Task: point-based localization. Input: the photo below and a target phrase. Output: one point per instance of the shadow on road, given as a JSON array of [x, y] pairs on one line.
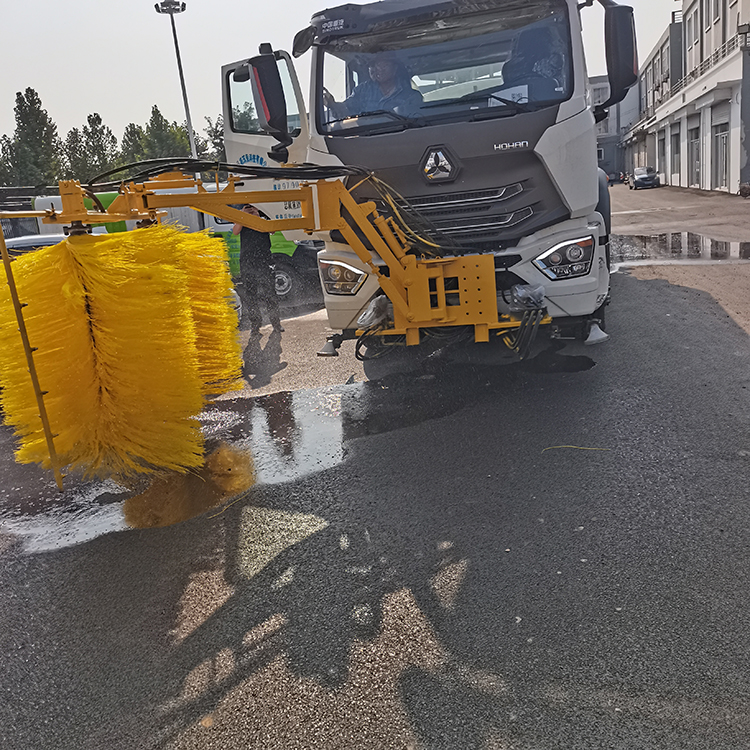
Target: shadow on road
[[261, 363], [465, 577]]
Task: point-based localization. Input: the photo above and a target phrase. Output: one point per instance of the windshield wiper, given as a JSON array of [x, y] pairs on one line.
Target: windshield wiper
[[408, 121], [476, 95]]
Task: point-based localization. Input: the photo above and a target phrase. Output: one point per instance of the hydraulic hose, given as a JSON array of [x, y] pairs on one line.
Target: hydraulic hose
[[424, 236]]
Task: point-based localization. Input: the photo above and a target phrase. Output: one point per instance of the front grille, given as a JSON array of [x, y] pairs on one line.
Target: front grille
[[488, 227], [491, 187], [472, 215], [428, 203]]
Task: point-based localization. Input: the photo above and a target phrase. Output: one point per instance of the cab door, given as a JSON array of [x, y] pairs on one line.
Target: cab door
[[244, 137]]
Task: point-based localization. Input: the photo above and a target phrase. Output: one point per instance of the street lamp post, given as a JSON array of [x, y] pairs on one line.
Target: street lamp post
[[171, 7]]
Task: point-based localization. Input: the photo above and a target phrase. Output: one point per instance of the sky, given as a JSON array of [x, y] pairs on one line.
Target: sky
[[117, 57]]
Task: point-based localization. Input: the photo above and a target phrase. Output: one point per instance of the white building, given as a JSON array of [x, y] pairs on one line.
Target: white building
[[609, 151], [690, 128]]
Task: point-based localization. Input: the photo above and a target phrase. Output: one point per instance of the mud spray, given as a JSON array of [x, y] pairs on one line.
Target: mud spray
[[172, 498]]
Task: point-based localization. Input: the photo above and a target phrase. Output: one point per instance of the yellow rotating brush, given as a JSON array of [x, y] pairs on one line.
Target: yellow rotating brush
[[132, 331]]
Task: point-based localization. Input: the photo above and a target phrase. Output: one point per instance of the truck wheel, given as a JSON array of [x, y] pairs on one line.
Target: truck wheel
[[288, 283]]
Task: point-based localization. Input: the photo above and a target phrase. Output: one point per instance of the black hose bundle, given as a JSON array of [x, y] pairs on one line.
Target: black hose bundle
[[143, 170], [523, 338], [423, 236], [372, 346]]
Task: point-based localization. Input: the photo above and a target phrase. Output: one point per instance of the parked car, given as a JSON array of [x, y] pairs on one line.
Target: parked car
[[19, 245], [643, 177]]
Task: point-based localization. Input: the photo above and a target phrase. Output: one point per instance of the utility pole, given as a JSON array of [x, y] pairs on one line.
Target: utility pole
[[172, 7]]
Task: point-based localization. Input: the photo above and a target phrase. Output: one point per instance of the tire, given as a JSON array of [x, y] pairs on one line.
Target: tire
[[288, 283]]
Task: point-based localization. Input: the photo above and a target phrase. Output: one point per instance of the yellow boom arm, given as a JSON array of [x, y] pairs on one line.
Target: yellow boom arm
[[415, 285]]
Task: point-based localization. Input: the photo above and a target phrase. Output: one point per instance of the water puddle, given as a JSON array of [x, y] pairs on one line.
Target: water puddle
[[674, 247], [53, 519], [291, 435], [267, 440], [272, 439]]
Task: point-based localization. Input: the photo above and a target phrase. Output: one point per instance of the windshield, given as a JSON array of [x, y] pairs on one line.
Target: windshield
[[474, 66]]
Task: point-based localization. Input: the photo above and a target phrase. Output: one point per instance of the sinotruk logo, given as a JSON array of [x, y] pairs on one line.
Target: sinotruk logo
[[438, 165]]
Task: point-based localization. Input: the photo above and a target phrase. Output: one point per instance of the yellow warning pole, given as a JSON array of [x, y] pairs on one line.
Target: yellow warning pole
[[29, 350]]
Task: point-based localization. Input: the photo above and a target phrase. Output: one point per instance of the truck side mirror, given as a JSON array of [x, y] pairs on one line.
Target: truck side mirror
[[242, 74], [622, 55], [270, 103], [303, 41]]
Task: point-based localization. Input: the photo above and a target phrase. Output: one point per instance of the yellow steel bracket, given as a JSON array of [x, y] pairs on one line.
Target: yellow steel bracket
[[29, 351], [425, 292]]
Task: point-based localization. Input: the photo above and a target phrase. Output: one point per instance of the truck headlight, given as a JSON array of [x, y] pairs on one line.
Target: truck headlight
[[340, 278], [568, 259]]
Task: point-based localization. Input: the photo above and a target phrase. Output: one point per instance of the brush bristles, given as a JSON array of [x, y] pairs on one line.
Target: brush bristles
[[219, 352], [132, 331]]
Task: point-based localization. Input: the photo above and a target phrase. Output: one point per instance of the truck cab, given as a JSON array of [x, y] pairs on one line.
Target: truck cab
[[479, 119]]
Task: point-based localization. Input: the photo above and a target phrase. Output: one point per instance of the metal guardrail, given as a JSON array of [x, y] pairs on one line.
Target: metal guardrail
[[711, 61]]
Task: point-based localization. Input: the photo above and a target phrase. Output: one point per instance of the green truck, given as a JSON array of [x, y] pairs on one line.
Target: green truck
[[297, 277]]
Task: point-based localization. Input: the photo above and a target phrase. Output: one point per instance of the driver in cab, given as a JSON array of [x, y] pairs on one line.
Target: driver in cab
[[535, 65], [389, 88]]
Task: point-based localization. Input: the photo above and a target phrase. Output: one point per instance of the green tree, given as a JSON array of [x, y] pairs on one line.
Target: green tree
[[133, 147], [163, 139], [35, 152], [100, 144], [215, 137], [7, 162], [75, 160], [244, 119], [201, 145]]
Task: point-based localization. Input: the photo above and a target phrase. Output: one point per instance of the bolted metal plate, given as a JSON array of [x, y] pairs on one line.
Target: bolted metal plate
[[459, 291]]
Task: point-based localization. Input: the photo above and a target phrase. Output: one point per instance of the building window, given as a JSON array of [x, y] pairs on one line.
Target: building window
[[707, 13], [661, 165], [676, 154], [720, 157], [694, 157], [600, 154]]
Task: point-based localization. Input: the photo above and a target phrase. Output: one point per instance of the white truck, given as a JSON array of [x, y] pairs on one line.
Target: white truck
[[477, 114]]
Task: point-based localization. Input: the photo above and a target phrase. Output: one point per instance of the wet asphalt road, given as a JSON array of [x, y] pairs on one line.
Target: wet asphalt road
[[433, 571]]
